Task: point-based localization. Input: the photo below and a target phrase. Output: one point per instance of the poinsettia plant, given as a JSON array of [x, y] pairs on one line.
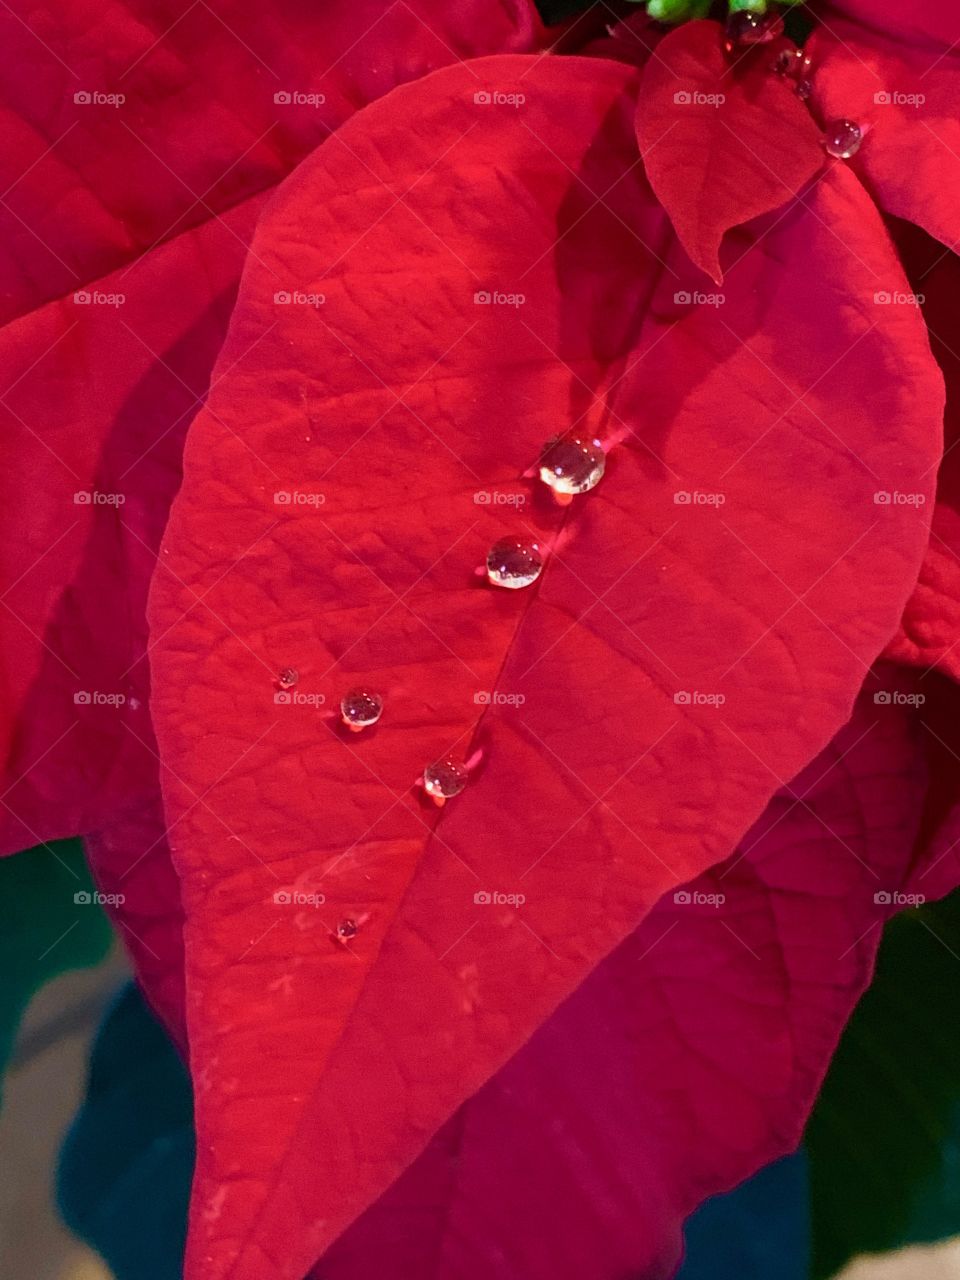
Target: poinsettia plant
[[295, 302]]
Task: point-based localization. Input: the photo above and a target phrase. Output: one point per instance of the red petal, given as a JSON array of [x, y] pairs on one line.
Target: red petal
[[162, 191], [723, 139], [908, 102], [90, 184], [98, 404], [688, 1058], [397, 400], [929, 635]]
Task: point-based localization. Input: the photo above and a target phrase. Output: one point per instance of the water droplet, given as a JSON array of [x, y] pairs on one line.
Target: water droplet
[[360, 708], [287, 678], [842, 139], [513, 563], [346, 930], [444, 779], [745, 27], [572, 464], [786, 63], [796, 66]]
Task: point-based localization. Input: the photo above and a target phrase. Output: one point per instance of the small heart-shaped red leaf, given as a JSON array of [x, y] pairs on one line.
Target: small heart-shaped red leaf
[[723, 138]]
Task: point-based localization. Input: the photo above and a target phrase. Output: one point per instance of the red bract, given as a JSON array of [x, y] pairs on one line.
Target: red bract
[[928, 635], [103, 372], [722, 139], [906, 95], [133, 124], [461, 271], [689, 1056], [907, 101], [920, 24]]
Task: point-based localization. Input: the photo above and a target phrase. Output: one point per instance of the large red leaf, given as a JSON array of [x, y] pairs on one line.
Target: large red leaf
[[689, 1057], [723, 139], [387, 407], [102, 375]]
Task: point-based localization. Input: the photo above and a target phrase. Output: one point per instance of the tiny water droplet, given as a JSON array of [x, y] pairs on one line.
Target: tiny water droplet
[[444, 779], [513, 563], [361, 708], [346, 930], [745, 27], [786, 62], [572, 464], [287, 678], [842, 139]]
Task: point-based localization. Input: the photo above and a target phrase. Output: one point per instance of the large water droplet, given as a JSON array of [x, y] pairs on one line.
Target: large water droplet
[[361, 708], [287, 678], [572, 464], [444, 779], [745, 27], [513, 563], [842, 139]]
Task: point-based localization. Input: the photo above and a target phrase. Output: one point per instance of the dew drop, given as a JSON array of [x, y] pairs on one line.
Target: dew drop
[[842, 139], [360, 708], [444, 779], [746, 27], [346, 930], [796, 66], [513, 563], [287, 678], [572, 464]]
